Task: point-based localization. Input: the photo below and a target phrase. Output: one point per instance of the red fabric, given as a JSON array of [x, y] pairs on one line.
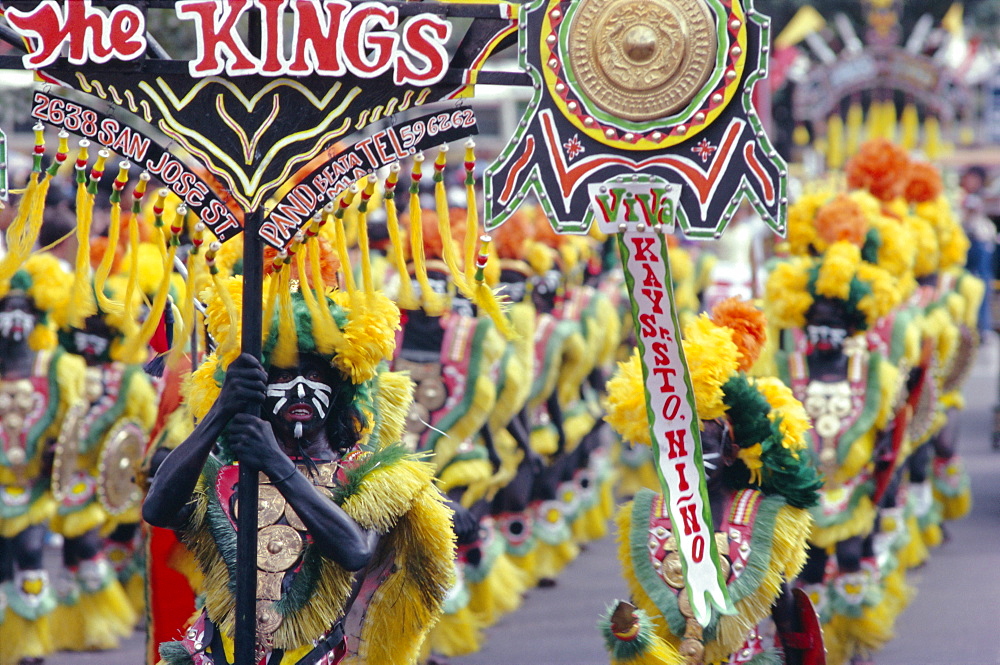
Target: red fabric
[[159, 342], [170, 599]]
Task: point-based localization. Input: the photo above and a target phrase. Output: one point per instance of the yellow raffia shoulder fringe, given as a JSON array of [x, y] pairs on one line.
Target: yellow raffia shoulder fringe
[[397, 500]]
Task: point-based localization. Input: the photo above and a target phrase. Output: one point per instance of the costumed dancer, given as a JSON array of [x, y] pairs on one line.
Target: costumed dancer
[[959, 294], [38, 383], [591, 475], [761, 484], [824, 305], [357, 544], [103, 436], [561, 367], [818, 220]]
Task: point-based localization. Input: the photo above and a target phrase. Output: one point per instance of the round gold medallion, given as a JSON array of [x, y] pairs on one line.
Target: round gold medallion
[[268, 619], [278, 547], [640, 60], [117, 488]]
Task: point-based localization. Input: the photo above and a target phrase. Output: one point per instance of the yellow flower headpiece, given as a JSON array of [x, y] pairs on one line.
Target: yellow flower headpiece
[[867, 291]]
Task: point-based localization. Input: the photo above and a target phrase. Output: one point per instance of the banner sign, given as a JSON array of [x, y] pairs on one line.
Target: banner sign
[[255, 118], [661, 88], [347, 166], [640, 212], [128, 142]]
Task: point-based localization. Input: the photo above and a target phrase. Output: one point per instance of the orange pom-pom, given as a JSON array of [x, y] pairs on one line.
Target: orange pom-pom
[[842, 219], [328, 262], [924, 183], [749, 326], [879, 167]]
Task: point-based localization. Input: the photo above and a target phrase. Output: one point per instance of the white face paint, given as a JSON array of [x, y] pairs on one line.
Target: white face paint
[[818, 335], [94, 345], [16, 324], [298, 390], [709, 465]]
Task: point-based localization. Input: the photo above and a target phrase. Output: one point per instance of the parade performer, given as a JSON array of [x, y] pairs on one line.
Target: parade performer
[[761, 484], [356, 543], [38, 383], [824, 306], [103, 436], [451, 353]]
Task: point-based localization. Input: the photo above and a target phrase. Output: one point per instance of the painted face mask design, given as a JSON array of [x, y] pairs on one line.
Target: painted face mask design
[[91, 345], [15, 324], [308, 400], [825, 338]]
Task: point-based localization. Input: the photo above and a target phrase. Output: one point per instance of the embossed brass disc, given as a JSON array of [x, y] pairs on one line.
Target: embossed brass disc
[[270, 505], [119, 465], [642, 59], [278, 547], [268, 619], [67, 450]]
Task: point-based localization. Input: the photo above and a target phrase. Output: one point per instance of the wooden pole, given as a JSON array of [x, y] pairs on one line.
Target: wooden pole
[[246, 536]]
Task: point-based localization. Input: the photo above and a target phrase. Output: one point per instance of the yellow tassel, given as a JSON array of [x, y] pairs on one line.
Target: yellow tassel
[[328, 335], [16, 254], [132, 283], [81, 304], [341, 239], [406, 298], [471, 210], [484, 297], [228, 347], [108, 306], [433, 302], [444, 226], [286, 350], [363, 245], [309, 296]]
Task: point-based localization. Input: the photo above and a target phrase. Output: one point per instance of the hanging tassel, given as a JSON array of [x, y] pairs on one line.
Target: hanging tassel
[[36, 212], [433, 302], [229, 348], [114, 231], [363, 245], [910, 127], [309, 297], [81, 304], [272, 292], [168, 253], [405, 298], [471, 210], [327, 334], [341, 238], [286, 350], [484, 297], [129, 325], [450, 256]]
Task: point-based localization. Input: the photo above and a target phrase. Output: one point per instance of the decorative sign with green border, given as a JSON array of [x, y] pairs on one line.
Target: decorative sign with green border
[[640, 212], [655, 87]]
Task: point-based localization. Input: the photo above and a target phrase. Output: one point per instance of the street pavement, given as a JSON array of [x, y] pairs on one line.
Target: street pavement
[[953, 619]]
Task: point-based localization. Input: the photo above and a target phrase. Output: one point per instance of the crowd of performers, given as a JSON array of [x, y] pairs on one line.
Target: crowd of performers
[[434, 439]]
